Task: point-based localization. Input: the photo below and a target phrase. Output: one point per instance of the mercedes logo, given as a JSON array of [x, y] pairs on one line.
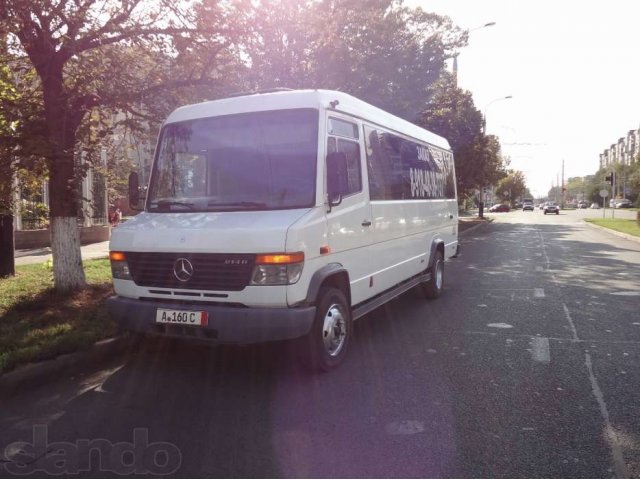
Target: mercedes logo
[[183, 270]]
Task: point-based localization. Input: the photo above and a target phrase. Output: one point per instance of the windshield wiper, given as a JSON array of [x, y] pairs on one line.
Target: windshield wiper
[[166, 204], [238, 204]]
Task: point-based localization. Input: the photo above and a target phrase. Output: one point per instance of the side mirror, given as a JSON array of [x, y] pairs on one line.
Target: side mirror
[[134, 191], [336, 177]]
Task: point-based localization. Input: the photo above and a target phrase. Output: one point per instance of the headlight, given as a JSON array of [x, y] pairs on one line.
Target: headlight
[[277, 269], [119, 267]]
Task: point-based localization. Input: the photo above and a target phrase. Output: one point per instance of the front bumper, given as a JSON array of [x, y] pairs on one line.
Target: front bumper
[[225, 324]]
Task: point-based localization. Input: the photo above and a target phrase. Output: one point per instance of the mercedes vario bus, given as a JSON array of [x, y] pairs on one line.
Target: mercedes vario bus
[[282, 216]]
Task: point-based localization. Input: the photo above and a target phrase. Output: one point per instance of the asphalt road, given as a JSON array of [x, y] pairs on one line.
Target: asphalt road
[[526, 367]]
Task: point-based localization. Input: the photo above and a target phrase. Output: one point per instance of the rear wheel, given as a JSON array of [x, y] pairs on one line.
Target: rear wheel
[[325, 346], [433, 288]]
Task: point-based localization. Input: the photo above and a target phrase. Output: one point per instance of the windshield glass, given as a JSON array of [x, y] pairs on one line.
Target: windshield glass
[[252, 161]]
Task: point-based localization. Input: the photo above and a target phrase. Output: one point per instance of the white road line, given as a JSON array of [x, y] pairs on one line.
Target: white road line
[[540, 350], [570, 320], [612, 437], [626, 294], [538, 292]]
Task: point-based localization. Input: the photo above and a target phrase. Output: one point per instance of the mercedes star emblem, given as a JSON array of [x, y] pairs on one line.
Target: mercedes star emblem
[[183, 270]]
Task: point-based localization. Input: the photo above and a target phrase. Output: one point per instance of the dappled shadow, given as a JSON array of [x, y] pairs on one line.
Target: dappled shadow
[[254, 411]]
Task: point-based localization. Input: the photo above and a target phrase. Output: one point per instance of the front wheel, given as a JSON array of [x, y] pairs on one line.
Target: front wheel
[[325, 346], [433, 288]]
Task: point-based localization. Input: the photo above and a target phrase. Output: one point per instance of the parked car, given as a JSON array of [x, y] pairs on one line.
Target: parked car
[[551, 207], [500, 207], [527, 206], [583, 204], [624, 203], [595, 206]]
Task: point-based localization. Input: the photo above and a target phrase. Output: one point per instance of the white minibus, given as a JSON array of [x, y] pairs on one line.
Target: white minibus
[[283, 216]]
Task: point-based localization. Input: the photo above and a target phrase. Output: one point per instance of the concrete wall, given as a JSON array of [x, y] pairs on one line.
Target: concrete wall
[[27, 239]]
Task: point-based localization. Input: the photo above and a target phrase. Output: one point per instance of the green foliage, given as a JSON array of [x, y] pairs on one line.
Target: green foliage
[[451, 113], [511, 187]]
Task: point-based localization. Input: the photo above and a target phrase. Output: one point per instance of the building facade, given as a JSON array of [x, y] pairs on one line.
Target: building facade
[[625, 151]]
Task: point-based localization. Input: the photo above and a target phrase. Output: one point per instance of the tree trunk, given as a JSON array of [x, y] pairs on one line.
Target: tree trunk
[[7, 245], [68, 274]]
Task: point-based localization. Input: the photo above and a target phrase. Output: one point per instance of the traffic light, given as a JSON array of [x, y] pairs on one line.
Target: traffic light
[[610, 179]]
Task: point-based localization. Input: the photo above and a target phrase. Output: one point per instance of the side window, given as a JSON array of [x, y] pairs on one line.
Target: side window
[[340, 128], [403, 169]]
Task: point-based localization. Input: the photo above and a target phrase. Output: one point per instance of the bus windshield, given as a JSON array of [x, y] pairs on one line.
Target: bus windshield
[[249, 161]]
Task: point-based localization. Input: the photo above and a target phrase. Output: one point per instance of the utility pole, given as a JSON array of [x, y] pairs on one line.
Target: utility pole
[[562, 187]]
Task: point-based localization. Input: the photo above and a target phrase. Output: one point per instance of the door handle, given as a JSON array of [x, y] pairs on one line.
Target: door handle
[[366, 223]]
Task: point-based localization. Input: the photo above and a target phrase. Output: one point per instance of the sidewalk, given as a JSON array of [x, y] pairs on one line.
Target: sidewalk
[[41, 255]]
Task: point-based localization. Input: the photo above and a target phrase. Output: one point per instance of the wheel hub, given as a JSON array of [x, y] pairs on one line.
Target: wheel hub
[[334, 330]]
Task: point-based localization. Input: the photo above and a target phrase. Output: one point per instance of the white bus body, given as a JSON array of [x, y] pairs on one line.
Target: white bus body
[[284, 215]]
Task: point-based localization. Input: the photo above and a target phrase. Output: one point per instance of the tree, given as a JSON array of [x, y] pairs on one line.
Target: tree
[[8, 115], [376, 50], [511, 187], [103, 53], [451, 113]]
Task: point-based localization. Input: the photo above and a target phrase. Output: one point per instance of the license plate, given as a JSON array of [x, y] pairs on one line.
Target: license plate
[[182, 317]]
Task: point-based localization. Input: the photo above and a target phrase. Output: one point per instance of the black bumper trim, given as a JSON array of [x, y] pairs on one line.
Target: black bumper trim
[[225, 324]]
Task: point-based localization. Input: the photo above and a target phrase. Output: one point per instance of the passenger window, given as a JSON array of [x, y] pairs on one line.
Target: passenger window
[[353, 182], [342, 128]]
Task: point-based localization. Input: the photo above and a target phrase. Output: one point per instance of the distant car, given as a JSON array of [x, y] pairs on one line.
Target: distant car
[[541, 206], [595, 206], [583, 204], [551, 208], [500, 207], [527, 206], [623, 203]]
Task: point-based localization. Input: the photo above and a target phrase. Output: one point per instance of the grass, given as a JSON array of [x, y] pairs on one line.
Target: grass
[[630, 227], [38, 324]]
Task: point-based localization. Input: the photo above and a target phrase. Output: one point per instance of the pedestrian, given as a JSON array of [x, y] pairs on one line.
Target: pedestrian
[[116, 218]]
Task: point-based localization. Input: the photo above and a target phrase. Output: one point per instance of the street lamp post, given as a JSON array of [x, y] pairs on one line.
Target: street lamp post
[[484, 111], [484, 131], [455, 55]]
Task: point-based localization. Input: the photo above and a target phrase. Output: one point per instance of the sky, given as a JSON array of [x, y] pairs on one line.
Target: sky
[[572, 68]]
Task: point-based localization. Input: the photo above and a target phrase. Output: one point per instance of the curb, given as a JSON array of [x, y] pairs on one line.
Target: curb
[[614, 232], [475, 227], [35, 373]]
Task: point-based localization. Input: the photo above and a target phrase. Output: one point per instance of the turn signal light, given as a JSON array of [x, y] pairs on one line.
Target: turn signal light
[[279, 258], [117, 256]]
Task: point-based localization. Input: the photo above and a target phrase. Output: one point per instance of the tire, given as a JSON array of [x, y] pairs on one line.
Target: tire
[[544, 213], [433, 288], [325, 346], [557, 213]]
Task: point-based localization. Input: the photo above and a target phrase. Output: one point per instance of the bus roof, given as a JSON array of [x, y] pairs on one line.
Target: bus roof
[[317, 99]]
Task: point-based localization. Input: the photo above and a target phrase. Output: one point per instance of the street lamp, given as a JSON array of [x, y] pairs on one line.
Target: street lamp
[[455, 56], [484, 114], [484, 129]]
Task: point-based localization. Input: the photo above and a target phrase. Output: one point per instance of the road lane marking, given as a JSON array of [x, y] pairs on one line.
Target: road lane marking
[[540, 350], [611, 435], [499, 325], [405, 427], [538, 292], [570, 320], [626, 294]]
